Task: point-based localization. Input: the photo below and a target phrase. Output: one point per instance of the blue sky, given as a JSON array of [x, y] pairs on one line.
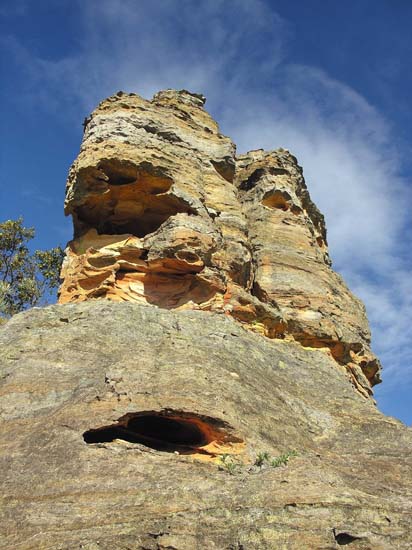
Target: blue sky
[[327, 79]]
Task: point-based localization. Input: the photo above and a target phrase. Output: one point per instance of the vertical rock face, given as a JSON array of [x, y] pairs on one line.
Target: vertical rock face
[[292, 268], [165, 213], [155, 210]]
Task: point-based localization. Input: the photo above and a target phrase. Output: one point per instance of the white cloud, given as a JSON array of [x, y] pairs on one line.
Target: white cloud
[[235, 52]]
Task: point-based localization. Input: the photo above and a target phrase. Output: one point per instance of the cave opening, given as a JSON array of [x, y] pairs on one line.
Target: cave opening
[[344, 538], [169, 431], [158, 432], [279, 200], [138, 214], [125, 198]]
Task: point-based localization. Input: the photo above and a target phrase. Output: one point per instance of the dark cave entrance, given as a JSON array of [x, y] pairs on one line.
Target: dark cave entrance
[[169, 431], [157, 432]]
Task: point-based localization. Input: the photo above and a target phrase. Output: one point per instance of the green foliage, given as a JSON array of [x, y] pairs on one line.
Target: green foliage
[[49, 264], [24, 277], [229, 464], [262, 458], [281, 460]]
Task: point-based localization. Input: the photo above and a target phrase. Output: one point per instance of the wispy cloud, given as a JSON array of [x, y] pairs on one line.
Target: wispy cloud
[[33, 191], [147, 46], [236, 53]]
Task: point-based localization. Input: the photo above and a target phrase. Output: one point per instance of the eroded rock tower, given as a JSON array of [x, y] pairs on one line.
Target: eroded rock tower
[[165, 213]]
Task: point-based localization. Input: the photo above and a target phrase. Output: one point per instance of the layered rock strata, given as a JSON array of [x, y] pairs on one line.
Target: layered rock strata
[[165, 213]]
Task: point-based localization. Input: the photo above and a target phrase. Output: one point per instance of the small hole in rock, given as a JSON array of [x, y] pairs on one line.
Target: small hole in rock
[[277, 200], [187, 256], [118, 172], [344, 538], [225, 168]]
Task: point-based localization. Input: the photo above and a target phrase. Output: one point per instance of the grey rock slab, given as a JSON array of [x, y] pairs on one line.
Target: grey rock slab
[[70, 368]]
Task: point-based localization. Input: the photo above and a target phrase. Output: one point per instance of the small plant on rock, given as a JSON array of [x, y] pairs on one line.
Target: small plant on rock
[[228, 463], [262, 458], [283, 459]]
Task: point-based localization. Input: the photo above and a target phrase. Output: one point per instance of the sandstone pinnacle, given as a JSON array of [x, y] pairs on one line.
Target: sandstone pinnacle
[[165, 213]]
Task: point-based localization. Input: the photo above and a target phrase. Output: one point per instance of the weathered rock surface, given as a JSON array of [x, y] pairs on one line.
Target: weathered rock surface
[[150, 179], [81, 470], [165, 213], [287, 235]]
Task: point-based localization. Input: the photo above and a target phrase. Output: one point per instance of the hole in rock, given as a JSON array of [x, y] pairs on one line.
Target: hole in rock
[[118, 172], [187, 256], [225, 168], [275, 200], [257, 174], [344, 538], [252, 180], [128, 211], [170, 431]]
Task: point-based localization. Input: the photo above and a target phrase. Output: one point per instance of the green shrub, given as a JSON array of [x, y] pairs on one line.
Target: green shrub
[[25, 277]]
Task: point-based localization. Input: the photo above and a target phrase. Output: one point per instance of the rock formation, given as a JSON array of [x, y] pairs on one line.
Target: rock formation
[[165, 213], [216, 398]]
